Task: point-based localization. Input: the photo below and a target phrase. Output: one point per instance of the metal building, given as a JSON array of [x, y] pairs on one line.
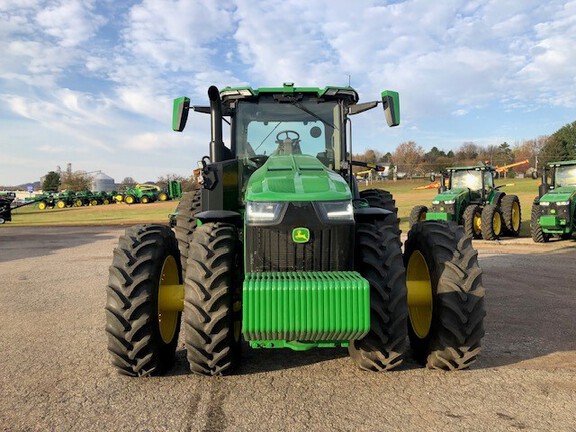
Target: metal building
[[102, 183]]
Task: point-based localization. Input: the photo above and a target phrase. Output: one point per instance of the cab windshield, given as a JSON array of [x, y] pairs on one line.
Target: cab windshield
[[566, 176], [268, 127], [471, 179]]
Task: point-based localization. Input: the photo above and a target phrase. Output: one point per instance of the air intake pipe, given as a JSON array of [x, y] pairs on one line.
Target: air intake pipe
[[216, 145]]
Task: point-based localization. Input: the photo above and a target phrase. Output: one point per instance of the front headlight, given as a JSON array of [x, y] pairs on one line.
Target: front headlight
[[545, 203], [449, 202], [563, 203], [435, 202], [264, 213], [335, 210]]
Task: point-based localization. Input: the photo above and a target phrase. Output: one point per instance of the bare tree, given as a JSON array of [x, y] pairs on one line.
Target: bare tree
[[409, 158], [76, 181]]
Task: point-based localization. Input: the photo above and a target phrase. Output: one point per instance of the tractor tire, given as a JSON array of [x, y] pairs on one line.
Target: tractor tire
[[119, 198], [418, 214], [190, 204], [129, 199], [78, 203], [212, 314], [445, 296], [60, 204], [94, 202], [472, 220], [143, 333], [378, 258], [491, 222], [42, 205], [538, 235], [512, 214], [144, 200], [163, 196], [106, 202], [383, 199]]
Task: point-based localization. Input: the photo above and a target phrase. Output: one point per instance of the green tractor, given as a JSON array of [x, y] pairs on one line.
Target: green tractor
[[65, 199], [554, 209], [173, 191], [468, 196], [141, 193], [280, 248]]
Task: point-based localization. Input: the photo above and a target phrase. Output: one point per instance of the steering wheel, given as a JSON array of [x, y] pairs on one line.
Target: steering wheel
[[287, 133], [290, 143]]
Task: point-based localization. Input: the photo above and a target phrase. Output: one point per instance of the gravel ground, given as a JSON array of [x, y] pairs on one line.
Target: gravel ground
[[55, 373]]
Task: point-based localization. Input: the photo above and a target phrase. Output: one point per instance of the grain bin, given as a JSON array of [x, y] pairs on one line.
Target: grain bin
[[102, 183]]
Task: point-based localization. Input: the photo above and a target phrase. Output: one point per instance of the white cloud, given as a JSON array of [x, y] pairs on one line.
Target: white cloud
[[99, 77]]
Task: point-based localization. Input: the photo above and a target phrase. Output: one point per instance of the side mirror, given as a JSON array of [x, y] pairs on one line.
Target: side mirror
[[180, 113], [391, 105]]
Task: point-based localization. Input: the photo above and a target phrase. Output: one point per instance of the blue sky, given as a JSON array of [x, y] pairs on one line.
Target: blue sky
[[92, 82]]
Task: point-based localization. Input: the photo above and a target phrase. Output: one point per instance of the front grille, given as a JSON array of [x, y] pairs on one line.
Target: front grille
[[555, 210], [271, 249]]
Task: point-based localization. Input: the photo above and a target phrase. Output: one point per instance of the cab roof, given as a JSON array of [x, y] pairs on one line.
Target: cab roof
[[480, 166], [330, 92], [561, 163]]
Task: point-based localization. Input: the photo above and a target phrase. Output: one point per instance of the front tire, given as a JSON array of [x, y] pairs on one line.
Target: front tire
[[538, 235], [189, 205], [472, 220], [212, 293], [142, 329], [418, 214], [512, 214], [491, 222], [445, 296], [379, 260], [379, 198]]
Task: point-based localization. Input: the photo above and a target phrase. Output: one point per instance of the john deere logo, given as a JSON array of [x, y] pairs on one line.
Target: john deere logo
[[300, 235]]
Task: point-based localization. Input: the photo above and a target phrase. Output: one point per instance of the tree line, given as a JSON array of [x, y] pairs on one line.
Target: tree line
[[411, 159]]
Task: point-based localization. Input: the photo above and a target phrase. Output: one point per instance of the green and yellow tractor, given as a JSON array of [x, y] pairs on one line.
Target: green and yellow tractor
[[554, 209], [280, 249], [468, 196]]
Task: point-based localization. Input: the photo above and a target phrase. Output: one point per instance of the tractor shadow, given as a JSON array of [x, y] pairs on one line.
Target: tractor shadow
[[30, 242]]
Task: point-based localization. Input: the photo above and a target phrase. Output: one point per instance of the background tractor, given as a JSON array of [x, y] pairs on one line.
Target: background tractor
[[554, 209], [141, 193], [280, 248], [467, 196]]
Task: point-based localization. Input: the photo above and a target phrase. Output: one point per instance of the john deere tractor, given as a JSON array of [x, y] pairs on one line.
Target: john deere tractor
[[279, 248], [554, 209], [467, 196]]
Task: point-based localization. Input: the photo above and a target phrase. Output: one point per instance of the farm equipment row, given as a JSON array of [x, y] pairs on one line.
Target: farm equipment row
[[71, 199], [147, 193]]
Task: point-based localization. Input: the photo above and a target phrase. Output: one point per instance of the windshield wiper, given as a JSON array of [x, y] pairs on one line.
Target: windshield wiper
[[312, 113]]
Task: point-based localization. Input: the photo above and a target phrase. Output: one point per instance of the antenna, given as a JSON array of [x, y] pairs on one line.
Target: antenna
[[349, 80]]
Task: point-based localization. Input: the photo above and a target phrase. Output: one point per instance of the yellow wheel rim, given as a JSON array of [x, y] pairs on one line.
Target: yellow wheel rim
[[129, 200], [496, 223], [477, 222], [162, 197], [61, 204], [419, 290], [170, 299], [515, 216], [119, 198], [42, 206], [145, 200]]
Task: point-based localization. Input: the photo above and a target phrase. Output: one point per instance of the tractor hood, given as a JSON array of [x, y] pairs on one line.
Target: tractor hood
[[451, 194], [296, 178], [560, 194]]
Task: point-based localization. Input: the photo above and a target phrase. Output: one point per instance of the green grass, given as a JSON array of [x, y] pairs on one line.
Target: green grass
[[115, 214], [403, 190]]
